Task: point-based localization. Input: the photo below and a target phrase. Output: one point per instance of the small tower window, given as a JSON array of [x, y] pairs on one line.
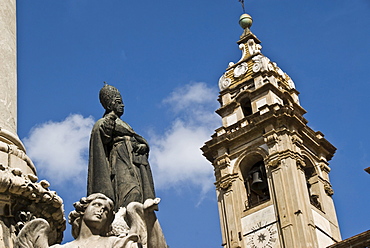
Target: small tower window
[[246, 107], [255, 181]]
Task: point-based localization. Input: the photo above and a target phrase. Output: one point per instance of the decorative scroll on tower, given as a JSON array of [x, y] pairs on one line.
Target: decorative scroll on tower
[[271, 168]]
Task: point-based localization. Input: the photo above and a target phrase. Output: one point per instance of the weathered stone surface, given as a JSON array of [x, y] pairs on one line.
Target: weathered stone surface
[[118, 159], [22, 198], [8, 70], [263, 127], [134, 226]]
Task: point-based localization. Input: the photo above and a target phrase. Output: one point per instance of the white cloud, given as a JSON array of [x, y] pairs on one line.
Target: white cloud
[[190, 96], [60, 149], [176, 157]]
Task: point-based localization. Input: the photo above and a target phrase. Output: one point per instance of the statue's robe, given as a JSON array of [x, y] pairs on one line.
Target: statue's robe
[[115, 169]]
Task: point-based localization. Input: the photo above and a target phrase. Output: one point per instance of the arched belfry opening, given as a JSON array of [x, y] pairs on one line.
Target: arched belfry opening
[[312, 183], [246, 107], [254, 175]]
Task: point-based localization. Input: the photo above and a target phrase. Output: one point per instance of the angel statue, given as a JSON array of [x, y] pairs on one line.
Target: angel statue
[[94, 224]]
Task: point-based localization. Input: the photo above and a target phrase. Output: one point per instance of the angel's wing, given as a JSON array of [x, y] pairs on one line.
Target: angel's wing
[[33, 235]]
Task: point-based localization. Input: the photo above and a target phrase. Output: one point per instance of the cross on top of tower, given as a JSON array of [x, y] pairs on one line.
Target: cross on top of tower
[[242, 3]]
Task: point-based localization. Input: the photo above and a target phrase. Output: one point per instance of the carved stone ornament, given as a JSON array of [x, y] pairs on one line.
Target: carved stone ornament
[[223, 161], [22, 218], [225, 184], [328, 189], [240, 70], [284, 76], [95, 225], [253, 48], [261, 63], [34, 198], [244, 52], [271, 139], [291, 84], [301, 164], [224, 82], [279, 70], [274, 163]]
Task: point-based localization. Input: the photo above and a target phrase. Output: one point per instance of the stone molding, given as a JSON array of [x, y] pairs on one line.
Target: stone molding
[[225, 182], [11, 144]]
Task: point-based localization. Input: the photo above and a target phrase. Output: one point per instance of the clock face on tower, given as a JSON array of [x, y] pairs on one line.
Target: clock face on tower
[[263, 237]]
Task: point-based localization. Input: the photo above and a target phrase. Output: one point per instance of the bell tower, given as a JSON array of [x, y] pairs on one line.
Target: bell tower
[[271, 168]]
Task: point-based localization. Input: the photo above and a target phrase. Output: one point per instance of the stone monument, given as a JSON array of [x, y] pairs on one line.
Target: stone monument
[[118, 160], [119, 179], [119, 167], [22, 197], [92, 226], [31, 215]]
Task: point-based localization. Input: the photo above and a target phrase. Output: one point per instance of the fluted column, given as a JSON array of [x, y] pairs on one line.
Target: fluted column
[[8, 66]]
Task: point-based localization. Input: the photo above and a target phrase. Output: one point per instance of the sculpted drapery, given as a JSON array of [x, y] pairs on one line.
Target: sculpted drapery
[[118, 159], [119, 171]]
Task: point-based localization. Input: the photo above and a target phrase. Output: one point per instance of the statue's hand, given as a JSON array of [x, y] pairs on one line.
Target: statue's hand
[[111, 115], [110, 121]]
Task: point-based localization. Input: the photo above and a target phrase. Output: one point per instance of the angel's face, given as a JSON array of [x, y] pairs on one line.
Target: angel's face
[[96, 213]]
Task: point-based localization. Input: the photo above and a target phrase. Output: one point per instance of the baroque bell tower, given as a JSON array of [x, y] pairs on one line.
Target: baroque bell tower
[[271, 168]]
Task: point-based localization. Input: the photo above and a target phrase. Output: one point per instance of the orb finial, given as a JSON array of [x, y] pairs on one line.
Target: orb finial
[[245, 21]]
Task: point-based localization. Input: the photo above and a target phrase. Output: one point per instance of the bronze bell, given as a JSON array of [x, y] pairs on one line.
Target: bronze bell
[[257, 182]]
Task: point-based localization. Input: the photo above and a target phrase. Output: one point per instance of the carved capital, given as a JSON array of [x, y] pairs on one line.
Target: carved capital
[[223, 161], [225, 182], [324, 167], [328, 189], [271, 139], [297, 140], [273, 163]]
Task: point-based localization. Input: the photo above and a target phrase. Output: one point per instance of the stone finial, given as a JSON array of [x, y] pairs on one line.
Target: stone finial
[[245, 21]]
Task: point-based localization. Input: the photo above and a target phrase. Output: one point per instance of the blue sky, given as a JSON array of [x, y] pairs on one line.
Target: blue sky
[[166, 58]]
